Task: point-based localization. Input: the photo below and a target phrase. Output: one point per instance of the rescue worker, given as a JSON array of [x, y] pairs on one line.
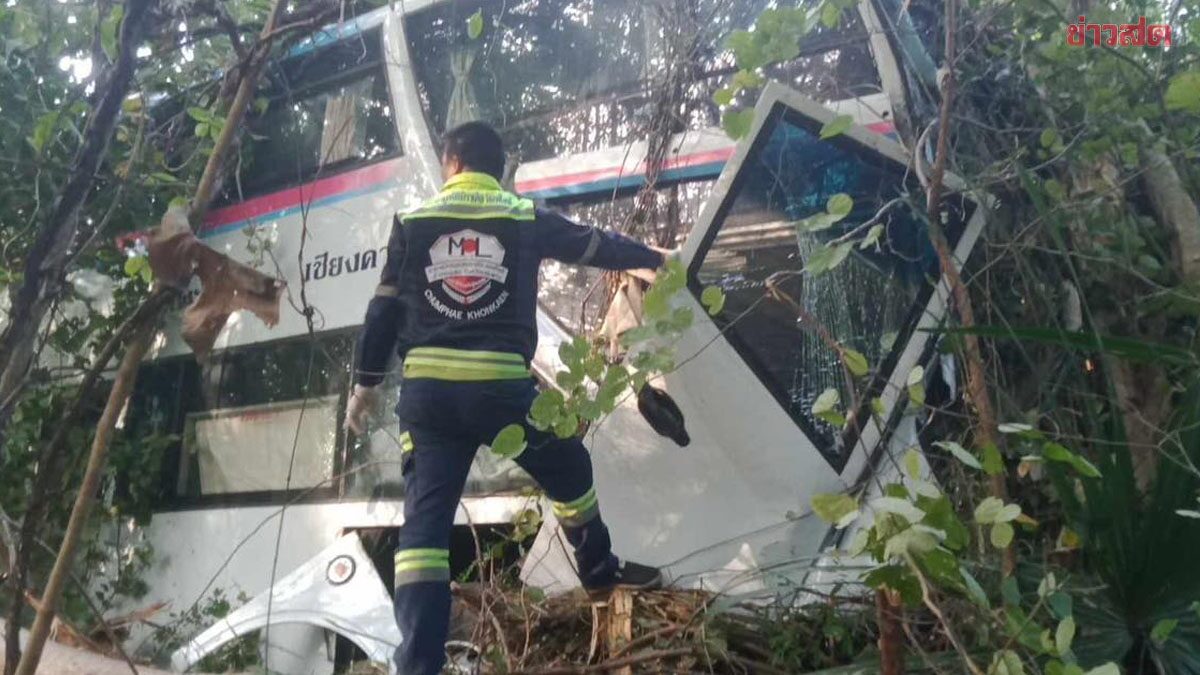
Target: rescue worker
[[457, 300]]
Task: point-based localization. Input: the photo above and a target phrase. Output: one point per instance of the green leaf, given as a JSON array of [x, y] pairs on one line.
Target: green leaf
[[637, 335], [830, 14], [546, 408], [1049, 138], [723, 96], [573, 352], [818, 222], [915, 376], [1006, 662], [110, 30], [975, 592], [960, 453], [993, 463], [747, 51], [840, 204], [1014, 428], [915, 385], [1064, 635], [199, 114], [737, 123], [912, 463], [873, 236], [1011, 592], [201, 130], [987, 511], [825, 407], [747, 79], [1009, 513], [1084, 467], [943, 567], [859, 543], [1060, 604], [475, 24], [566, 426], [713, 299], [1162, 630], [1048, 585], [839, 509], [900, 507], [855, 362], [133, 266], [940, 514], [827, 258], [1183, 92], [1106, 669], [43, 130], [510, 442], [897, 578], [836, 126], [1002, 535], [911, 541]]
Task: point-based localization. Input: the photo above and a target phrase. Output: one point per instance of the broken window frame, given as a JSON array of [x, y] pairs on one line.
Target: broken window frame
[[913, 345]]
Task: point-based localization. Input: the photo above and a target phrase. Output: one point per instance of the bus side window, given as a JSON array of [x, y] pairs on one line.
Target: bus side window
[[322, 112]]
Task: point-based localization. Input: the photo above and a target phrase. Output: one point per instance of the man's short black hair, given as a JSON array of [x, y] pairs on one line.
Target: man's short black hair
[[477, 146]]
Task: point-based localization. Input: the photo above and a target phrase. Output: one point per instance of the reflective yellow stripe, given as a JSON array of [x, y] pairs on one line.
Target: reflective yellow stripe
[[422, 565], [468, 354], [451, 374], [587, 501], [406, 442], [454, 212], [477, 180], [480, 366], [474, 197], [411, 553], [463, 365]]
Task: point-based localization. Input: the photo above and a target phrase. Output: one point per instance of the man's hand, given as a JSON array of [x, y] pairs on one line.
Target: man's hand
[[362, 403], [649, 276]]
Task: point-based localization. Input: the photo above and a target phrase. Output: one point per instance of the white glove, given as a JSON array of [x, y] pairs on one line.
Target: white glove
[[361, 405]]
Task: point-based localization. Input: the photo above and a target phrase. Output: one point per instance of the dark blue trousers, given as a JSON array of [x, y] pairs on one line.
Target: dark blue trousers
[[442, 424]]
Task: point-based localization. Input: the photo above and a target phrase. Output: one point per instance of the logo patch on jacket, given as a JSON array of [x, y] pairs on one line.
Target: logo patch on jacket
[[466, 263]]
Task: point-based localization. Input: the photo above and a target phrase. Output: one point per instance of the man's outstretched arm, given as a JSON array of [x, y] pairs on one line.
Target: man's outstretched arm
[[564, 240], [377, 341]]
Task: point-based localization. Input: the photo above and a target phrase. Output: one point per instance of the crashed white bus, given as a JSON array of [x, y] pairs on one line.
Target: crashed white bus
[[263, 485]]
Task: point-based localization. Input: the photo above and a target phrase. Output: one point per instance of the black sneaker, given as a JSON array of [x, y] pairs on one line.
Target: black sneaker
[[630, 576]]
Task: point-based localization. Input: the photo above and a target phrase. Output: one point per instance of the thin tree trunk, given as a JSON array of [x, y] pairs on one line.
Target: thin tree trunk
[[891, 634], [1173, 207], [985, 427], [47, 257]]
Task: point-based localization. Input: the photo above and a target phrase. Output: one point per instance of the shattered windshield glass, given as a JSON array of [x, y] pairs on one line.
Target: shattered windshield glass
[[869, 303]]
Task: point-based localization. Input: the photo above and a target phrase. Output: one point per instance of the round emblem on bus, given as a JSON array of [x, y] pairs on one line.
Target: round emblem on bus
[[340, 570]]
